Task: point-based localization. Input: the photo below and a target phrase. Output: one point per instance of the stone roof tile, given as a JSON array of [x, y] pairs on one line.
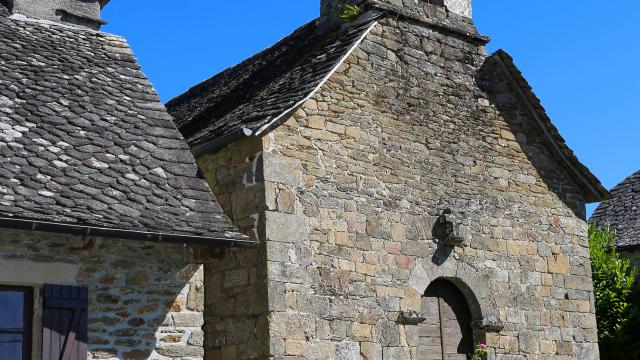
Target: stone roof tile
[[622, 212], [85, 140]]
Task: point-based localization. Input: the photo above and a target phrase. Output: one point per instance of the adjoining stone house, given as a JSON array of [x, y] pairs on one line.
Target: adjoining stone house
[[409, 193], [104, 223], [622, 213]]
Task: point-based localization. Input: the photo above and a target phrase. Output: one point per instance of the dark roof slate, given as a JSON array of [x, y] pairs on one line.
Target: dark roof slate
[[85, 140], [622, 212], [4, 11], [592, 187], [265, 86]]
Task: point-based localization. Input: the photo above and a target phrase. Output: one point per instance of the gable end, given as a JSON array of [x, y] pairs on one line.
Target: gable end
[[589, 183]]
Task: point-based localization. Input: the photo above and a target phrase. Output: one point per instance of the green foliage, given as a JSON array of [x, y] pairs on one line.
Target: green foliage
[[481, 352], [613, 283], [349, 12]]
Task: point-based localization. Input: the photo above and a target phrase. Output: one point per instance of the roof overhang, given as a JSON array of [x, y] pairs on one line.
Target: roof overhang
[[216, 239]]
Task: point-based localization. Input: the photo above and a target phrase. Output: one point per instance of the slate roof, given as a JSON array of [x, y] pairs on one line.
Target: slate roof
[[85, 140], [593, 189], [255, 92], [622, 212]]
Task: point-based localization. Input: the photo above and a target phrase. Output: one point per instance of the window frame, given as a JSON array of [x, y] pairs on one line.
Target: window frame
[[27, 306]]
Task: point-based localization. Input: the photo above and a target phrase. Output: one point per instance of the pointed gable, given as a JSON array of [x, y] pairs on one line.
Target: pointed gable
[[255, 94], [501, 63]]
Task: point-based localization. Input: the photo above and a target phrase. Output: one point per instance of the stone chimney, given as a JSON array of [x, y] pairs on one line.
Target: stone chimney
[[418, 9], [80, 13]]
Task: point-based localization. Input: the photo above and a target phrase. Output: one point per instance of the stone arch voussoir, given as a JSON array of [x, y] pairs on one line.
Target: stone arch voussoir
[[470, 282]]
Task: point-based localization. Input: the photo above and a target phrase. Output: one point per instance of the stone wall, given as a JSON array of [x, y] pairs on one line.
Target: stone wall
[[236, 299], [145, 300], [356, 180]]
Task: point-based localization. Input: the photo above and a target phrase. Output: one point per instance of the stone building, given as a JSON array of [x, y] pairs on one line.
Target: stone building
[[622, 213], [378, 188], [104, 223], [410, 196]]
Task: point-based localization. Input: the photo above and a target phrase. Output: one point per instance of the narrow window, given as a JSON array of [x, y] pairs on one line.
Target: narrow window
[[16, 305]]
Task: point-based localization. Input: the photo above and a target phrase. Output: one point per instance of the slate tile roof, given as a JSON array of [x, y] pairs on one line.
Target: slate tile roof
[[622, 212], [85, 140], [253, 93]]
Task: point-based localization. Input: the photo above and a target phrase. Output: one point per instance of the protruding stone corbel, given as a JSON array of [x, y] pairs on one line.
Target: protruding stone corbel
[[411, 318], [492, 324]]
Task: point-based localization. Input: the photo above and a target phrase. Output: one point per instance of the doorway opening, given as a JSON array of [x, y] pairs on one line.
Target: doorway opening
[[447, 333]]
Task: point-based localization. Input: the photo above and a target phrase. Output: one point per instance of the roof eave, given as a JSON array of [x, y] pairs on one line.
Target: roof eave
[[629, 247], [215, 239]]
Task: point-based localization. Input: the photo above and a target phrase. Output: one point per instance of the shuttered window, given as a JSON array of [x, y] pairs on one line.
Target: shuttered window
[[447, 332], [64, 322], [16, 305]]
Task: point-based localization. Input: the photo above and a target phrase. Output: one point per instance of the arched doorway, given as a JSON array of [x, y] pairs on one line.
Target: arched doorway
[[446, 334]]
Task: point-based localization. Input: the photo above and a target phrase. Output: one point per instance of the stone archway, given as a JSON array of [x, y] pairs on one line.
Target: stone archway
[[474, 287]]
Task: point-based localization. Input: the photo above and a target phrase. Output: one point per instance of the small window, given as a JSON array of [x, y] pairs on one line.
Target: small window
[[15, 322]]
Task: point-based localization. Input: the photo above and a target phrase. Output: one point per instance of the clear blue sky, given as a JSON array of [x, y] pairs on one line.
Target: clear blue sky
[[582, 57]]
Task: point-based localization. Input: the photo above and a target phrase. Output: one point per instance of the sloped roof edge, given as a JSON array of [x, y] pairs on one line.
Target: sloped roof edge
[[272, 123], [226, 139], [622, 212], [253, 96], [592, 187]]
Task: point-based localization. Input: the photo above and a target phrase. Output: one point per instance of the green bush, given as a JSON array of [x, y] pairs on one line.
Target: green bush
[[613, 284]]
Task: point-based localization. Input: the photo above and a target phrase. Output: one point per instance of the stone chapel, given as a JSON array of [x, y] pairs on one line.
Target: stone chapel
[[375, 186]]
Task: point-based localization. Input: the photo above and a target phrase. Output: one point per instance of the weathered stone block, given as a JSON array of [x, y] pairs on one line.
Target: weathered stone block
[[558, 264], [187, 319]]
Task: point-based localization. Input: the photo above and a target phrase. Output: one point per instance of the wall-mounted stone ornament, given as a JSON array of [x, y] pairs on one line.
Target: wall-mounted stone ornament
[[489, 324], [411, 318], [450, 230]]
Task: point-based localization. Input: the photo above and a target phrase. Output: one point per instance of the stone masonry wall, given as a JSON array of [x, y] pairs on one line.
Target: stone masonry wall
[[361, 173], [236, 296], [146, 300]]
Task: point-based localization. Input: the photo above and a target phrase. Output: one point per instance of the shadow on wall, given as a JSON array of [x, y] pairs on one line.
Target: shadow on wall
[[529, 135], [150, 300], [142, 297]]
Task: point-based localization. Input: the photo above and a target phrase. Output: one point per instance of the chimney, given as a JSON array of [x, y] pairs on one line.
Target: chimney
[[418, 9], [79, 13]]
